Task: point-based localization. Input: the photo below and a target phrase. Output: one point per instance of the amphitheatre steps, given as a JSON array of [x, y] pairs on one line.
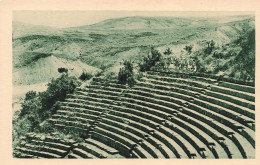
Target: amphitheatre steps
[[41, 146], [163, 116], [192, 100]]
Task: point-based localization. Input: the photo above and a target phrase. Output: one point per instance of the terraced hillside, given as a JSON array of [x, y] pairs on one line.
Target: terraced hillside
[[165, 115]]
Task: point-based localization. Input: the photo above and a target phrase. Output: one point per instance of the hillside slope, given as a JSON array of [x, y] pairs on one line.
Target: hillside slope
[[104, 45], [44, 69]]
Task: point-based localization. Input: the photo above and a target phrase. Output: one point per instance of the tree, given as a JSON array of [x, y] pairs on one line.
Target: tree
[[210, 47], [62, 70], [150, 61], [188, 48], [85, 76], [126, 75], [57, 90], [30, 95], [168, 51]]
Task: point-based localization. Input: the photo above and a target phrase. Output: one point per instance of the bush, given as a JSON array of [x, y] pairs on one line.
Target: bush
[[30, 95], [62, 70], [150, 61], [30, 111], [126, 75], [85, 76], [57, 90], [168, 51], [188, 48], [38, 107], [210, 47]]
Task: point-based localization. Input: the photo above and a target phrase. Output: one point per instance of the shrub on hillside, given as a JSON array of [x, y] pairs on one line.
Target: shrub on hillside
[[62, 70], [85, 76], [150, 61], [168, 51], [30, 95], [57, 90], [210, 47], [188, 48], [37, 107], [30, 111], [126, 75]]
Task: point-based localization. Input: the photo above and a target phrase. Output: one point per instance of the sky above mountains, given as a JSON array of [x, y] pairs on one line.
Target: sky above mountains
[[64, 19]]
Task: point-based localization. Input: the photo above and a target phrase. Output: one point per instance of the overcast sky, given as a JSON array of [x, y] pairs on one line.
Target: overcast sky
[[61, 19]]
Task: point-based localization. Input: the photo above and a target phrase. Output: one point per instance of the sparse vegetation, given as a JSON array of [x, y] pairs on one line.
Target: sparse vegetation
[[235, 60], [30, 57]]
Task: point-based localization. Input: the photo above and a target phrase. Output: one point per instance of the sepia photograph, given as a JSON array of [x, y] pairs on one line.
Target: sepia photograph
[[133, 84]]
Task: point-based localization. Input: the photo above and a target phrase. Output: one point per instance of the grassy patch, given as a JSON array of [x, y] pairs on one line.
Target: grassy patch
[[30, 57]]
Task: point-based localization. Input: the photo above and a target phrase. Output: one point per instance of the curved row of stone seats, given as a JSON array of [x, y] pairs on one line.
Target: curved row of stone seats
[[102, 146], [85, 117], [170, 112], [242, 119], [101, 86], [146, 89], [95, 149], [212, 138], [92, 99], [93, 94], [77, 104], [76, 110], [238, 87], [89, 103], [241, 104], [131, 145], [162, 111], [229, 120], [145, 122], [190, 82], [125, 137], [124, 150], [67, 123], [233, 109], [200, 138], [41, 146], [233, 92], [241, 114], [157, 151], [236, 108], [205, 76], [225, 82], [104, 91], [202, 122], [80, 153], [111, 83], [232, 99], [81, 120], [242, 91], [18, 154], [213, 121], [151, 93], [158, 117], [172, 85]]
